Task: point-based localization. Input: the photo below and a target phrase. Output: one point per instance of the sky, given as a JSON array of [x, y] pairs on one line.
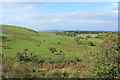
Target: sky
[[41, 16]]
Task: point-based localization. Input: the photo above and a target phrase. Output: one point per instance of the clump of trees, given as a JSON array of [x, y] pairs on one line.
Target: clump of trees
[[102, 35], [108, 57], [75, 33], [67, 33]]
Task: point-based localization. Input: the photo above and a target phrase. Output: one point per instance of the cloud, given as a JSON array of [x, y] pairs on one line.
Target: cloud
[[55, 20], [25, 15], [116, 4], [59, 1], [16, 8]]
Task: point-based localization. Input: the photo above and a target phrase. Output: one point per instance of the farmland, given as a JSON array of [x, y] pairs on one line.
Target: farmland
[[28, 53]]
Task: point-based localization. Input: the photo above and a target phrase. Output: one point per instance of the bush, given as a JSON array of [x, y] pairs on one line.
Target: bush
[[88, 36], [21, 57], [52, 49], [70, 73], [107, 70], [77, 59], [59, 52], [14, 70], [91, 43], [54, 74], [56, 60], [77, 39], [3, 37], [37, 60], [108, 57]]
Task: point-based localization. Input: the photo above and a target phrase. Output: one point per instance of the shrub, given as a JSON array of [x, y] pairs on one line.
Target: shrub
[[54, 74], [77, 39], [52, 49], [77, 59], [3, 37], [88, 36], [56, 60], [108, 58], [75, 75], [70, 73], [58, 42], [58, 53], [91, 43], [107, 70], [21, 57], [14, 70]]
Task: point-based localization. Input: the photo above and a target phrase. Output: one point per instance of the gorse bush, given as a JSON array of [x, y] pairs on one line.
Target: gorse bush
[[107, 70], [109, 48], [108, 57]]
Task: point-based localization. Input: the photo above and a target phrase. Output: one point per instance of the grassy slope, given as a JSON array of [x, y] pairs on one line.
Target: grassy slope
[[19, 38]]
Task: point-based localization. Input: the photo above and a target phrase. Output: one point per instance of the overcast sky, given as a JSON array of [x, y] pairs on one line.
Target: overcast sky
[[61, 15]]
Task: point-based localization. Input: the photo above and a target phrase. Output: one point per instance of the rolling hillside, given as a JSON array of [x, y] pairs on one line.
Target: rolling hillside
[[18, 39]]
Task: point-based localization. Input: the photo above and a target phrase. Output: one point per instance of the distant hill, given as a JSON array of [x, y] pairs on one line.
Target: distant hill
[[52, 31], [74, 31]]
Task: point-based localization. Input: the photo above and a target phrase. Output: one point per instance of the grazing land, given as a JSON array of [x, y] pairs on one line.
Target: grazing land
[[69, 54]]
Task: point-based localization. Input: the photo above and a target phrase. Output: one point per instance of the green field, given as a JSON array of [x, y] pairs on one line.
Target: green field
[[17, 39], [20, 38]]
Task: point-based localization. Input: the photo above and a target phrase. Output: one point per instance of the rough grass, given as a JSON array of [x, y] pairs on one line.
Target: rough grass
[[38, 44]]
